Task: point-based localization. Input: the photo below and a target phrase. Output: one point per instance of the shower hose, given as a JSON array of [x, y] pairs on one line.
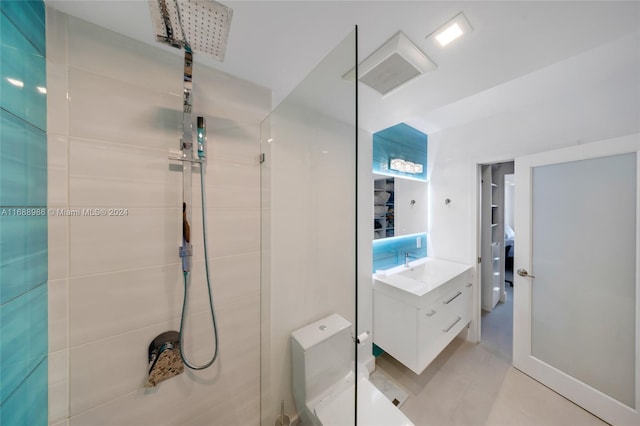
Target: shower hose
[[185, 360]]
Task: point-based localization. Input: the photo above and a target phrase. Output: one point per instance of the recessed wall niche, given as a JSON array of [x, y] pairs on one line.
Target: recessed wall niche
[[400, 151]]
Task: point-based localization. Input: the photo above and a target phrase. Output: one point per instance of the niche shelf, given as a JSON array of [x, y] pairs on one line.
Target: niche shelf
[[384, 211]]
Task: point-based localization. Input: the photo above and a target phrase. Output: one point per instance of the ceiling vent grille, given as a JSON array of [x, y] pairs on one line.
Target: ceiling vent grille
[[395, 63]]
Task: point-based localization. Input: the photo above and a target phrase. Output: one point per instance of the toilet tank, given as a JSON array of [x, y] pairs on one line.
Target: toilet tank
[[322, 353]]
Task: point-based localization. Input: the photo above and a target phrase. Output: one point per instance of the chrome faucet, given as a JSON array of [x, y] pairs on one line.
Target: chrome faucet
[[408, 256]]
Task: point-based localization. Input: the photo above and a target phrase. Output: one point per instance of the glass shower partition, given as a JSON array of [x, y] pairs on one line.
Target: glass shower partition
[[308, 241]]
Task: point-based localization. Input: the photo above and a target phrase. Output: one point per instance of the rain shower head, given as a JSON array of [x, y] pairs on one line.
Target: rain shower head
[[195, 25]]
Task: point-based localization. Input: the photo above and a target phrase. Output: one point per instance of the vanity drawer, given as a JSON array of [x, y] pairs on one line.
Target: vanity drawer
[[459, 297], [440, 322], [454, 300], [430, 337]]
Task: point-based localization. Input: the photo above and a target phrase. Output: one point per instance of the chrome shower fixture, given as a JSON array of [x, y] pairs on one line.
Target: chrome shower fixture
[[194, 25]]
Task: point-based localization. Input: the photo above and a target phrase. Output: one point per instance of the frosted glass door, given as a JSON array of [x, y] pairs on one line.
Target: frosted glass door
[[576, 295]]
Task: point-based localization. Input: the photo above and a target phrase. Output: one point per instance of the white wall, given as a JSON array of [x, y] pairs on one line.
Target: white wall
[[573, 108], [509, 194], [115, 283]]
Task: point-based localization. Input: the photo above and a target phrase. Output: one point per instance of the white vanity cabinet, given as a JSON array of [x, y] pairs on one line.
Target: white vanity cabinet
[[414, 327]]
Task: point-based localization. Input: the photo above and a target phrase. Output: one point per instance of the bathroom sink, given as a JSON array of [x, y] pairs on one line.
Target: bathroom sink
[[421, 276], [418, 309]]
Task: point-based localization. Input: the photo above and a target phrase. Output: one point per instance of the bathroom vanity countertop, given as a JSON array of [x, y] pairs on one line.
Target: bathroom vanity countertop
[[421, 277]]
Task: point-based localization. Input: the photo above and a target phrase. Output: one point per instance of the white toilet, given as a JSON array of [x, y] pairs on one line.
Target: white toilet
[[324, 381]]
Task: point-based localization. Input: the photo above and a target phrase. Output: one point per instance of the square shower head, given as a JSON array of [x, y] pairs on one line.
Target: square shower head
[[199, 25]]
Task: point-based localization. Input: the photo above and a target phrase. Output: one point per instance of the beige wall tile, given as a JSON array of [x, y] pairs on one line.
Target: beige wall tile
[[118, 279]]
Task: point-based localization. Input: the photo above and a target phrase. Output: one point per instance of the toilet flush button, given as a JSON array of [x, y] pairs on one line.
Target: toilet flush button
[[322, 327]]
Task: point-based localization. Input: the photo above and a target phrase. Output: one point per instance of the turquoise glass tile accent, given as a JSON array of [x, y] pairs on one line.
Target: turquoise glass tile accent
[[23, 163], [38, 394], [29, 17], [37, 251], [23, 71], [23, 199], [402, 142], [390, 252], [12, 153], [24, 340], [38, 312], [23, 222], [376, 350], [13, 258], [13, 346], [21, 408]]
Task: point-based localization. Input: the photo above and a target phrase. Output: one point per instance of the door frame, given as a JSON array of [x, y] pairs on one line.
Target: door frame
[[475, 332]]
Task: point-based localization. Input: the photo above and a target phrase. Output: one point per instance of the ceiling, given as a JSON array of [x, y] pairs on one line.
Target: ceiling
[[519, 52]]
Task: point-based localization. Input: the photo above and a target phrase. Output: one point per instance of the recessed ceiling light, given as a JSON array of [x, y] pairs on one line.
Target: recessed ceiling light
[[452, 30], [449, 34]]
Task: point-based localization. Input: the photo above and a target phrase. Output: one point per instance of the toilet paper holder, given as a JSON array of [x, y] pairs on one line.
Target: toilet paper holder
[[362, 337]]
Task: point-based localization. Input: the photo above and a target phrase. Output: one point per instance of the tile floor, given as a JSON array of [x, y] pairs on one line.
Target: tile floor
[[475, 384]]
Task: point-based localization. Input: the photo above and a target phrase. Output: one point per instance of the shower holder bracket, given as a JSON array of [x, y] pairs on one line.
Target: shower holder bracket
[[186, 250], [188, 160]]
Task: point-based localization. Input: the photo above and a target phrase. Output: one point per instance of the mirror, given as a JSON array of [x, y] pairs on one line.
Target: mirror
[[399, 182]]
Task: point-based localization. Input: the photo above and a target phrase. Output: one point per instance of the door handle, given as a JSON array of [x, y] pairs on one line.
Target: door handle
[[524, 273]]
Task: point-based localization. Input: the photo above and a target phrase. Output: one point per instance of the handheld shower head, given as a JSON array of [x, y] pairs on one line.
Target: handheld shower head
[[195, 25]]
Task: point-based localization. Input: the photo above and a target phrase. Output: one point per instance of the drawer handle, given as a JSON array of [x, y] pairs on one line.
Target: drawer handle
[[446, 330], [451, 300], [469, 284], [432, 313]]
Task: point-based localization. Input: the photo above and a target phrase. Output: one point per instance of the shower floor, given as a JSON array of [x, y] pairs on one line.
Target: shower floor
[[389, 388]]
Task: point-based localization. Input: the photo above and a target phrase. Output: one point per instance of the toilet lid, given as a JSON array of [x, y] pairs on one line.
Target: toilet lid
[[374, 409]]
